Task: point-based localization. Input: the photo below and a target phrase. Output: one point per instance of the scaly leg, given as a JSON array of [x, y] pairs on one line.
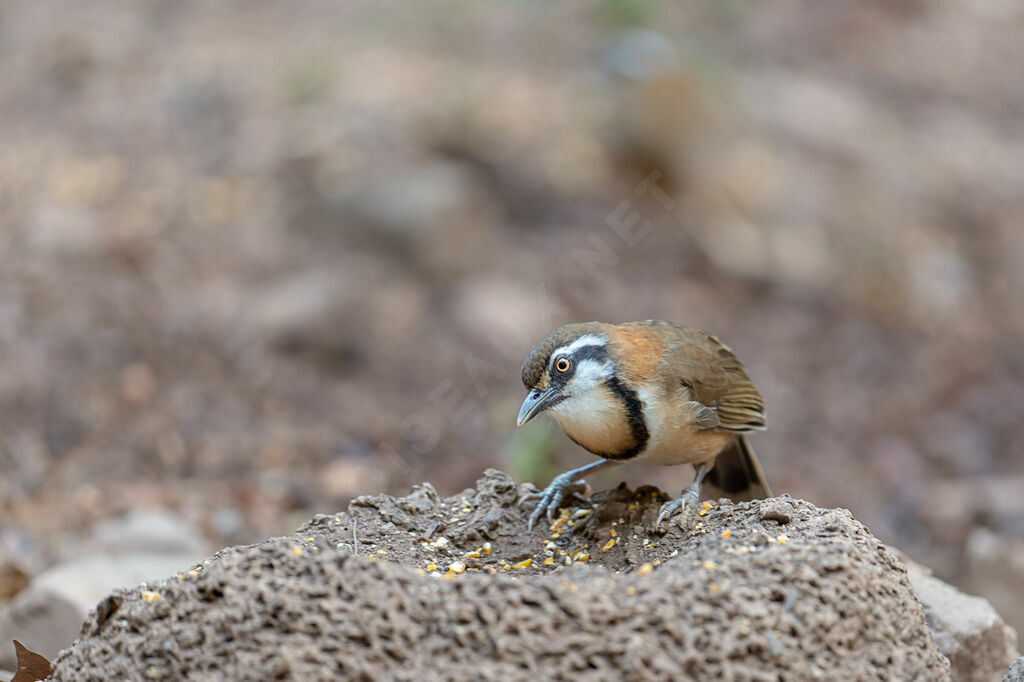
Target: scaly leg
[[561, 486], [687, 501]]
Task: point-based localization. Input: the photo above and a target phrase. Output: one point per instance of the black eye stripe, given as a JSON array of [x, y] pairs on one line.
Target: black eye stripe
[[591, 353], [583, 353]]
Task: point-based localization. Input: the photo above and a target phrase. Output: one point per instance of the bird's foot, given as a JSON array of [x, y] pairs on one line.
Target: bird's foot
[[561, 488], [687, 502]]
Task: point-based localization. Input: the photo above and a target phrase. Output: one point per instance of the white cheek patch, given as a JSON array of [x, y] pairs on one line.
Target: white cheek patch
[[589, 374]]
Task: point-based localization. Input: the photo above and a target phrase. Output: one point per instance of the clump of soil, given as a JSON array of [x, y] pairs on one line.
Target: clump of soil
[[421, 587]]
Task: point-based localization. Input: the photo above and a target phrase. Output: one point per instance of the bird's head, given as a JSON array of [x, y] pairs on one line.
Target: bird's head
[[567, 373]]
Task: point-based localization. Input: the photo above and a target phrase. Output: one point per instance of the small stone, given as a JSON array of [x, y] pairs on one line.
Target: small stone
[[967, 629], [776, 510]]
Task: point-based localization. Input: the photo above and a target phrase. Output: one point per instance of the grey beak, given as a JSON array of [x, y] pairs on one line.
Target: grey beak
[[535, 403]]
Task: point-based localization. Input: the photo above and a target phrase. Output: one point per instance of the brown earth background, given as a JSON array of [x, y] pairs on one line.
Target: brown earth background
[[258, 258]]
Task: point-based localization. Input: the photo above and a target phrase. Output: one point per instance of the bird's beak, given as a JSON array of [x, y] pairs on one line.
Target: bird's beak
[[536, 402]]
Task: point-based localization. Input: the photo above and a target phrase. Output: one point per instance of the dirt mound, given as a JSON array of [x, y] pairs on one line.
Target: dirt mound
[[421, 587]]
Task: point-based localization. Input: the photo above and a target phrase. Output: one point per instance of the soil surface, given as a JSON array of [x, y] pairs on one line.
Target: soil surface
[[258, 258], [421, 587]]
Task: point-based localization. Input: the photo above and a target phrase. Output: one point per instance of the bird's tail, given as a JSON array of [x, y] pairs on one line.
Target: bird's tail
[[737, 474]]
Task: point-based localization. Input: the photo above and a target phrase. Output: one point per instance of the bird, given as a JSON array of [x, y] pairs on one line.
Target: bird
[[654, 392]]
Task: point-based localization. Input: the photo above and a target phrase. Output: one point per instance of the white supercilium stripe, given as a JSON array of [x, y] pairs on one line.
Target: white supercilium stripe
[[586, 340]]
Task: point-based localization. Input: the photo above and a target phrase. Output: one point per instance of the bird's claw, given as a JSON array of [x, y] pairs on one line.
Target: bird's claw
[[687, 502], [561, 488]]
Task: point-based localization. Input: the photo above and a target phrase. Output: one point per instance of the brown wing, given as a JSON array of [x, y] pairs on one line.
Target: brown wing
[[707, 367]]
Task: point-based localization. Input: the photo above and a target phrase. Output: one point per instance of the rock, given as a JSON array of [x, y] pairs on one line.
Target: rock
[[995, 570], [143, 546], [43, 619], [359, 595], [401, 199], [967, 630], [297, 306], [150, 531], [776, 509], [48, 614], [1016, 671]]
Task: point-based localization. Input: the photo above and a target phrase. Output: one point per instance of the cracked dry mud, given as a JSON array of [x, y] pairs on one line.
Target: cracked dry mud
[[764, 590]]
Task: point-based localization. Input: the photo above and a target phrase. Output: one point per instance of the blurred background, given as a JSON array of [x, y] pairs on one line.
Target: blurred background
[[258, 258]]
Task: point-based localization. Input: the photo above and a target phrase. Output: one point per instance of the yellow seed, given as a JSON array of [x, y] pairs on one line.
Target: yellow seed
[[309, 539], [646, 569], [631, 590], [714, 587], [525, 563], [474, 554], [506, 567], [726, 533], [633, 506], [550, 560], [487, 548], [150, 596], [382, 552], [709, 565], [580, 513], [297, 551], [457, 566], [582, 556], [707, 505], [611, 531], [431, 567], [782, 538], [702, 512], [608, 545]]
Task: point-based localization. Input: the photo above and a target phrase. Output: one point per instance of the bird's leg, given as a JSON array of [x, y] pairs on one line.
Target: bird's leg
[[561, 487], [687, 501]]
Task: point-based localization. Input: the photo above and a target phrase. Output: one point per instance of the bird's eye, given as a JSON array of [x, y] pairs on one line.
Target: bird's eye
[[562, 365]]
